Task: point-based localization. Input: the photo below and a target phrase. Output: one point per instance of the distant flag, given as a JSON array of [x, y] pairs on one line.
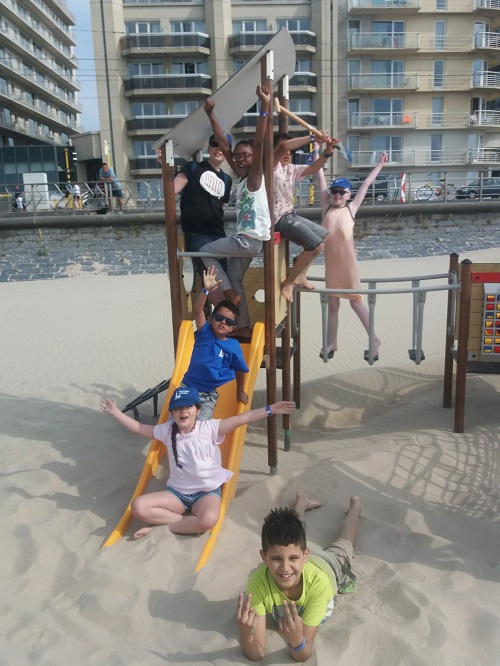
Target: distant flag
[[402, 197]]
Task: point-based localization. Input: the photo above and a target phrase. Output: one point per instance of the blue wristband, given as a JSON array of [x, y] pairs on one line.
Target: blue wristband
[[263, 113], [268, 410], [299, 647], [205, 291], [312, 138]]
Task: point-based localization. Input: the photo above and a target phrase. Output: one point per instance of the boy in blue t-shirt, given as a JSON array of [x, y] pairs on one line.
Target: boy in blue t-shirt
[[296, 588], [216, 358]]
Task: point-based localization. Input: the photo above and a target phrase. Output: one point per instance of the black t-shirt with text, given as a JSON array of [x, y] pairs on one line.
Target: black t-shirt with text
[[202, 199]]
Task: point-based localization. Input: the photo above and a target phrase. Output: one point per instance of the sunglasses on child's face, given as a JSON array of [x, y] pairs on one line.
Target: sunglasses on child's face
[[214, 144], [336, 190], [227, 320]]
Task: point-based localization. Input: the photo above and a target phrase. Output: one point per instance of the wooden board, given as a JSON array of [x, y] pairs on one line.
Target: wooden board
[[232, 99]]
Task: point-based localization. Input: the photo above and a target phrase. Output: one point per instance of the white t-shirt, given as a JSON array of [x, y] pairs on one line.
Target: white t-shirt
[[252, 211], [199, 454]]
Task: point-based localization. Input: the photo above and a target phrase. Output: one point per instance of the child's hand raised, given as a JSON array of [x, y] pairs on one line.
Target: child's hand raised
[[209, 106], [108, 406], [210, 281], [283, 407]]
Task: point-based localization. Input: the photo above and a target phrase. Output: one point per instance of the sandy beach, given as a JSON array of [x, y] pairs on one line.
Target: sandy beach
[[427, 555]]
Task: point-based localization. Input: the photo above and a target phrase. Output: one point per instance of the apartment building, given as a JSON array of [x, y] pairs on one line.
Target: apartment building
[[419, 79], [38, 86]]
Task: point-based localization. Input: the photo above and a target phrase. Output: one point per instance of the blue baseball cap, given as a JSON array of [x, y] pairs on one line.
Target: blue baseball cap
[[228, 137], [341, 182], [184, 396]]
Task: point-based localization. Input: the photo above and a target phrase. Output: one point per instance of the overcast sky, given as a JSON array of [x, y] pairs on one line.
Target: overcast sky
[[84, 52]]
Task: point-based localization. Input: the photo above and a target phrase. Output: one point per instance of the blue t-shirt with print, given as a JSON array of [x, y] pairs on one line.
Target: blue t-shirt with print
[[213, 361]]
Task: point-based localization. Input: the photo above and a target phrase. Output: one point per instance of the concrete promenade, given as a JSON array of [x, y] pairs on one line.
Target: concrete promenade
[[134, 244]]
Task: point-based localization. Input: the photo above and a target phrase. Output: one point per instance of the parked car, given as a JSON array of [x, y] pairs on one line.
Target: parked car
[[491, 188], [379, 190]]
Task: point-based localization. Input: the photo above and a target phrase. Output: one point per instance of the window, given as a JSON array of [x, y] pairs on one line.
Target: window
[[353, 73], [293, 25], [147, 109], [392, 145], [391, 33], [436, 147], [142, 148], [184, 108], [259, 25], [187, 26], [388, 73], [441, 5], [190, 67], [145, 68], [387, 111], [438, 77], [353, 111], [142, 27], [439, 34], [437, 111], [301, 105], [304, 65]]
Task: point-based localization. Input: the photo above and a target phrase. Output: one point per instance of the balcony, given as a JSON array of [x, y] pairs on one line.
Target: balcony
[[137, 126], [488, 43], [303, 82], [144, 165], [42, 10], [486, 81], [384, 7], [250, 42], [370, 121], [248, 121], [486, 7], [158, 84], [429, 158], [366, 82], [485, 120], [430, 121], [364, 42], [157, 43]]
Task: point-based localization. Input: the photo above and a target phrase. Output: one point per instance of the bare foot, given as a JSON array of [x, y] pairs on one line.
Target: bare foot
[[287, 291], [355, 503], [142, 532], [232, 296], [303, 283], [303, 503], [376, 345]]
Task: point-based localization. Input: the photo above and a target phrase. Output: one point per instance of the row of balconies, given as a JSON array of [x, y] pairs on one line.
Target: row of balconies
[[33, 56], [413, 42], [13, 9], [12, 69], [425, 82], [425, 121], [40, 8], [381, 7], [198, 83], [22, 101], [401, 159], [23, 127], [199, 42]]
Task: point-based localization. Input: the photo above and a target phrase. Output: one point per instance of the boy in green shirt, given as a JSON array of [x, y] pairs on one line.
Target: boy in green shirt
[[297, 588]]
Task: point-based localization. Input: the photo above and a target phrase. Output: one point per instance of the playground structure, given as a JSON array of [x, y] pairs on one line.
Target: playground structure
[[276, 319]]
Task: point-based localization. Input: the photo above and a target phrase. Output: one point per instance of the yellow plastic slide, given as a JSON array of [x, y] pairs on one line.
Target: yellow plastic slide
[[231, 448]]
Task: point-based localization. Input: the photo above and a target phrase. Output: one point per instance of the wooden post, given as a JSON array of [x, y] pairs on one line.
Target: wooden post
[[463, 339], [174, 272], [270, 345], [450, 337], [296, 355]]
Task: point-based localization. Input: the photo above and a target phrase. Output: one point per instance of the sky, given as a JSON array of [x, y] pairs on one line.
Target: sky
[[84, 53]]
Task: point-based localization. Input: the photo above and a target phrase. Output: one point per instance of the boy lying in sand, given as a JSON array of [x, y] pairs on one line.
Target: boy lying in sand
[[297, 589]]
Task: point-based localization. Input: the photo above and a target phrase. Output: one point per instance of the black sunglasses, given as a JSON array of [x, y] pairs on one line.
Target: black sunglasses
[[214, 144], [227, 320], [335, 190]]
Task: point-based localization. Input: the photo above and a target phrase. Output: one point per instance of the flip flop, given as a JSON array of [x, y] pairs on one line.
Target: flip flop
[[367, 356], [329, 354]]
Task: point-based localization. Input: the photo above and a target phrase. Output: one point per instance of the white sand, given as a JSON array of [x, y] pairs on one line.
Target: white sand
[[428, 550]]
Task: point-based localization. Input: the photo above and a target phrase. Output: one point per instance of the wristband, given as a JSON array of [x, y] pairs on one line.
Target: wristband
[[312, 138], [268, 410], [314, 152], [263, 113], [299, 647], [327, 155], [205, 291]]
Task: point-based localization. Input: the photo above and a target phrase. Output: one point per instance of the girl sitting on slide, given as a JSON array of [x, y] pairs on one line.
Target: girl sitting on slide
[[190, 504]]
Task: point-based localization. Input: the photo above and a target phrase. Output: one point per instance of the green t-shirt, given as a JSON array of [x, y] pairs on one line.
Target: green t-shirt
[[316, 603]]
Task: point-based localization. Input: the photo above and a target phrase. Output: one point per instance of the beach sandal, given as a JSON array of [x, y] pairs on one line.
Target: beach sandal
[[329, 354], [367, 356]]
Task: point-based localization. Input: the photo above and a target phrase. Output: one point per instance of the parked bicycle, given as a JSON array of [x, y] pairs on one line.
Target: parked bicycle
[[429, 190]]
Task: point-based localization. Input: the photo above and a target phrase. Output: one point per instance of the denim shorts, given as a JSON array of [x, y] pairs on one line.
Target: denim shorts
[[301, 231], [189, 500]]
